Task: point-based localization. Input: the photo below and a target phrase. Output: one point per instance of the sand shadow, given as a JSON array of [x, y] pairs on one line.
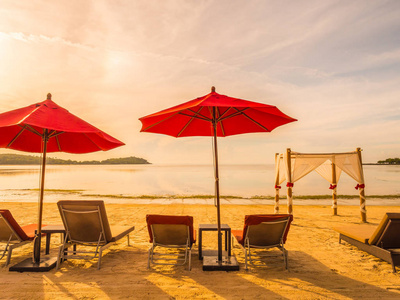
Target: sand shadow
[[227, 285], [312, 279], [123, 274]]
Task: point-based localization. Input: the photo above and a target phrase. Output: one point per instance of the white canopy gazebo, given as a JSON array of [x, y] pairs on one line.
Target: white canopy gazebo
[[292, 166]]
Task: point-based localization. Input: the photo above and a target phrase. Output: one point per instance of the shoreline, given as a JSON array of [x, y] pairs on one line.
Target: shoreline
[[53, 196]]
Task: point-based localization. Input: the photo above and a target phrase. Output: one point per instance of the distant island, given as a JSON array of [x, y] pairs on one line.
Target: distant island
[[390, 161], [16, 159]]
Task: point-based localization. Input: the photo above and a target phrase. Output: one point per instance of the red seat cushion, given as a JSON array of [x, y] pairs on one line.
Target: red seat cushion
[[30, 230], [238, 235], [26, 232], [8, 216], [165, 219]]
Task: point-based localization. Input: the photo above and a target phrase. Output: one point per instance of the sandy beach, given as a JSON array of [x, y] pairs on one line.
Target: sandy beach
[[319, 267]]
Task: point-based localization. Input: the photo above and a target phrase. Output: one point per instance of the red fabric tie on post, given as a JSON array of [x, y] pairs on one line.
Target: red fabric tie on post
[[360, 186], [278, 187], [290, 184], [331, 187]]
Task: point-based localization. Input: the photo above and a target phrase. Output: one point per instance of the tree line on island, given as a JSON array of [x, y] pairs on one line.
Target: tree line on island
[[390, 161], [17, 159]]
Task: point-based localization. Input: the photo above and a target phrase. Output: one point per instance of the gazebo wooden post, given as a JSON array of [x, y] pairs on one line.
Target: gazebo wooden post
[[334, 192], [277, 158], [289, 181], [361, 189]]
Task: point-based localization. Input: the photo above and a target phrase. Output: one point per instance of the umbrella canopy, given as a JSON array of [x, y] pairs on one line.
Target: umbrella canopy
[[215, 115], [47, 127], [24, 128], [232, 116]]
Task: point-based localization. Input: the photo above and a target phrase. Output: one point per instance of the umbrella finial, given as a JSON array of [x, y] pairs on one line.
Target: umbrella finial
[[48, 96], [213, 89]]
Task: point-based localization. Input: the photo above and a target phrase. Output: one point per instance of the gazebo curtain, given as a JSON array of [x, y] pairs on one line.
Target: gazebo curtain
[[296, 165], [304, 163]]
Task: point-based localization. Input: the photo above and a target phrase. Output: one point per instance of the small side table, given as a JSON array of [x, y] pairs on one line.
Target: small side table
[[214, 227], [48, 230]]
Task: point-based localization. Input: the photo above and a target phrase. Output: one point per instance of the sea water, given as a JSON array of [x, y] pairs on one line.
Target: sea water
[[74, 181]]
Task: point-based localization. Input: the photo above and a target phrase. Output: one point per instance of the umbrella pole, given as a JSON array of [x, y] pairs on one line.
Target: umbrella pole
[[38, 237], [217, 188], [213, 263]]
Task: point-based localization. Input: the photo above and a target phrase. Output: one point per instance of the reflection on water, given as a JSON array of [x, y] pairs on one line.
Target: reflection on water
[[134, 180], [16, 172]]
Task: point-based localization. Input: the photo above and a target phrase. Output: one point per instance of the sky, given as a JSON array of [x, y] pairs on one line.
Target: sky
[[333, 65]]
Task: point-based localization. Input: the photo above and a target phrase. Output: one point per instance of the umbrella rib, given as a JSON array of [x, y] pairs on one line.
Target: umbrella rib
[[152, 125], [58, 143], [238, 112], [220, 122], [84, 133], [191, 119], [221, 116], [197, 114], [33, 130], [254, 121], [27, 127], [54, 133], [15, 137]]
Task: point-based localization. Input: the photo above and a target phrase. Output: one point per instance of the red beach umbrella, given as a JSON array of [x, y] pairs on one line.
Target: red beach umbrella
[[47, 127], [215, 115]]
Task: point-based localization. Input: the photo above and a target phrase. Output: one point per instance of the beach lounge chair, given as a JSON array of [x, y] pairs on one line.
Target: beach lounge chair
[[170, 232], [14, 235], [382, 241], [86, 224], [263, 232]]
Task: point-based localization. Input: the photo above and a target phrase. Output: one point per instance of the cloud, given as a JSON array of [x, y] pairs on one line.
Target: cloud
[[334, 65]]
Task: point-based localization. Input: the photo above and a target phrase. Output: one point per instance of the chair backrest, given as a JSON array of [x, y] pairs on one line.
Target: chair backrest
[[169, 232], [387, 234], [85, 221], [251, 220], [10, 227], [266, 233]]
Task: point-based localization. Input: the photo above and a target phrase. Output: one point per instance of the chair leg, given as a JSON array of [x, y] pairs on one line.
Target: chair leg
[[285, 257], [99, 261], [128, 240], [150, 255], [61, 252], [190, 259], [245, 259], [60, 256], [10, 249], [250, 260]]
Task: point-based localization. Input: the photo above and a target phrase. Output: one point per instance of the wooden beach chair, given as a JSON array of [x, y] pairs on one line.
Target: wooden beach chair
[[382, 241], [263, 232], [14, 235], [86, 224], [170, 232]]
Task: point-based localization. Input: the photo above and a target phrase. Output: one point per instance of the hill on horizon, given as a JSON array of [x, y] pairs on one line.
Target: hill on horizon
[[18, 159]]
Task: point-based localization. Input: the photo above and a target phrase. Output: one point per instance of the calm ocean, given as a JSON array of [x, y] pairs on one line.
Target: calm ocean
[[17, 183]]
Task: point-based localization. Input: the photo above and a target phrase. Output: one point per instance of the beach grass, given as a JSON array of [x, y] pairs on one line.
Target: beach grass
[[56, 190], [257, 197]]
